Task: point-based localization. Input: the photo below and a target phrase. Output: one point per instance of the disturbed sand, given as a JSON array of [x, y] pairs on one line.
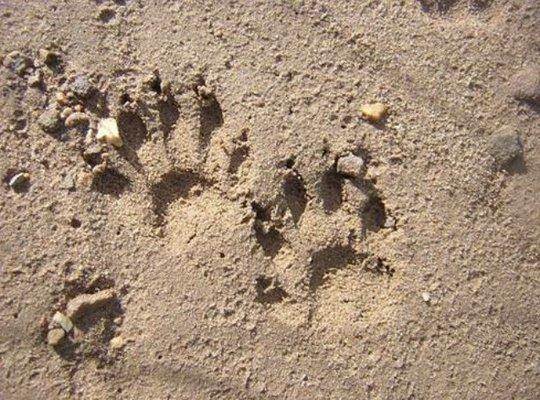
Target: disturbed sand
[[250, 232]]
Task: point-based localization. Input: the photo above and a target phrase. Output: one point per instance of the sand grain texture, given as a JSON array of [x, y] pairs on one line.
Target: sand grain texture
[[244, 263]]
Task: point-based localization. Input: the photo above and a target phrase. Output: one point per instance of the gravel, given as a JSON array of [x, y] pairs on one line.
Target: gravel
[[77, 118], [56, 336], [525, 85], [49, 121], [350, 166], [82, 87], [504, 146]]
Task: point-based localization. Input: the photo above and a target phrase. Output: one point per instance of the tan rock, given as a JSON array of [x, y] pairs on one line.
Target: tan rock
[[55, 336], [117, 342], [108, 132], [63, 321], [77, 118], [351, 166], [87, 302], [374, 112], [525, 85]]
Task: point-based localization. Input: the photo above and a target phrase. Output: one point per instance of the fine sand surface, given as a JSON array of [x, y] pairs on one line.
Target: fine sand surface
[[197, 200]]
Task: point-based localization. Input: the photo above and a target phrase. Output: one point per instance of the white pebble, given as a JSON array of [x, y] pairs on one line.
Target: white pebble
[[107, 132], [63, 321]]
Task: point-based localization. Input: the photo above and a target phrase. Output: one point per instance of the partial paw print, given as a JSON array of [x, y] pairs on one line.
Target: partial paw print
[[314, 231], [171, 143], [87, 321], [343, 192], [173, 186], [189, 119], [198, 155], [345, 187], [445, 6]]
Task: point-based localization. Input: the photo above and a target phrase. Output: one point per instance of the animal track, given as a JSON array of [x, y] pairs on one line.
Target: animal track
[[269, 291], [133, 129], [326, 260], [180, 127], [211, 118], [168, 115], [377, 265], [98, 325], [210, 114], [443, 6], [111, 182], [172, 186], [295, 195], [374, 215], [330, 188], [266, 234], [238, 156]]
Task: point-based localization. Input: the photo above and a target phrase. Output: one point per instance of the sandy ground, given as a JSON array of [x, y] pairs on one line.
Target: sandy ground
[[225, 249]]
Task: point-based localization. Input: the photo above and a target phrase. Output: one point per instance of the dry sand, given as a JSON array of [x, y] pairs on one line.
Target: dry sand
[[216, 249]]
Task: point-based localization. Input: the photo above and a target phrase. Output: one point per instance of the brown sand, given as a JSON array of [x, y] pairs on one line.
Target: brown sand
[[244, 266]]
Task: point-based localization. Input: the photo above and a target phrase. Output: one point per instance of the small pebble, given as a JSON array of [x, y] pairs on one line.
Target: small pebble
[[117, 342], [426, 297], [66, 112], [86, 302], [68, 182], [63, 321], [55, 336], [525, 85], [390, 222], [49, 121], [374, 112], [85, 179], [77, 118], [108, 132], [351, 166], [82, 87], [61, 98], [19, 179], [504, 146]]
